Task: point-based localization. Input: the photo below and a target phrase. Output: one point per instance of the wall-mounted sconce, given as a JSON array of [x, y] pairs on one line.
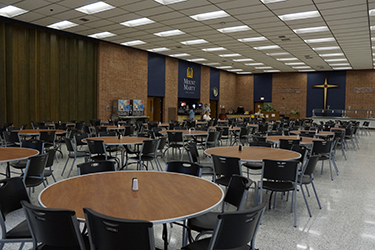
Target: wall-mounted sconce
[[262, 98]]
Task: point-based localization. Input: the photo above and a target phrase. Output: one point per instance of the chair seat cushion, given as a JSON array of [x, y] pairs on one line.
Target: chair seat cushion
[[278, 186], [203, 222], [19, 164], [19, 231], [253, 165]]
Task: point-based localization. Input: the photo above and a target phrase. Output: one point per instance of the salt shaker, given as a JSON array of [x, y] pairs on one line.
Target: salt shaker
[[135, 184]]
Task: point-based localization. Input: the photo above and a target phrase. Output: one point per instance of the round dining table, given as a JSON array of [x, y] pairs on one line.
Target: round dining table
[[254, 154], [319, 133], [10, 154], [162, 197], [304, 140], [187, 132], [34, 132]]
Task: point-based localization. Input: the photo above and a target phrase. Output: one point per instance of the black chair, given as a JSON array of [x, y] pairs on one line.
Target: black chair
[[234, 230], [48, 137], [307, 177], [33, 144], [225, 168], [148, 153], [326, 151], [98, 151], [48, 171], [184, 167], [175, 141], [11, 139], [340, 141], [235, 196], [54, 228], [95, 167], [280, 176], [110, 233], [254, 168], [211, 140], [12, 192], [288, 143], [208, 168], [161, 150], [73, 153], [34, 172]]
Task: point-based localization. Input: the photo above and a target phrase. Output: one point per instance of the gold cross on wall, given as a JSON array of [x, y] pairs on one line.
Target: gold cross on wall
[[325, 86]]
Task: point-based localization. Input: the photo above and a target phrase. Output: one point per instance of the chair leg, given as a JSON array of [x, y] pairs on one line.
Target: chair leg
[[62, 173], [304, 197], [71, 168], [316, 194]]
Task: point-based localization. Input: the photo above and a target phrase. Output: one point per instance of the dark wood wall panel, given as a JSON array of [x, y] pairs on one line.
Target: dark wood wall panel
[[45, 75]]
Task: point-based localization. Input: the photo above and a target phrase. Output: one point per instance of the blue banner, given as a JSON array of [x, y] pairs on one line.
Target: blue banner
[[156, 75], [263, 87], [214, 84], [189, 80]]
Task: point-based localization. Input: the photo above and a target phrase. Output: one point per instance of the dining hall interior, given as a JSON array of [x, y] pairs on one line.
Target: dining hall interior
[[263, 72]]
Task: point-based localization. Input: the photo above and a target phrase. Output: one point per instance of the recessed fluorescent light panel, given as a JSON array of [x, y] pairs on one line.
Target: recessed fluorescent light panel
[[230, 55], [287, 59], [326, 48], [180, 55], [133, 43], [341, 68], [211, 64], [169, 33], [224, 67], [198, 60], [302, 67], [271, 71], [371, 12], [306, 70], [267, 47], [277, 54], [158, 49], [234, 29], [336, 60], [252, 39], [192, 42], [295, 63], [62, 25], [243, 60], [95, 8], [331, 54], [11, 11], [272, 1], [166, 2], [311, 30], [339, 64], [243, 72], [102, 35], [138, 22], [320, 40], [266, 67], [253, 64], [372, 27], [300, 15], [235, 70], [214, 49], [210, 15]]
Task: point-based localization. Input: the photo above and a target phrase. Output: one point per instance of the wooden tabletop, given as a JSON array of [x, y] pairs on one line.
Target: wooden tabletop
[[113, 127], [68, 124], [13, 154], [229, 127], [186, 132], [320, 133], [254, 154], [162, 197], [304, 140], [114, 140], [37, 131]]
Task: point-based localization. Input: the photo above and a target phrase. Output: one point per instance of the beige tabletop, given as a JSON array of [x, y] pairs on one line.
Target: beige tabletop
[[15, 154], [229, 127], [113, 127], [161, 198], [187, 132], [114, 140], [68, 124], [342, 129], [27, 132], [320, 133], [304, 140], [254, 154]]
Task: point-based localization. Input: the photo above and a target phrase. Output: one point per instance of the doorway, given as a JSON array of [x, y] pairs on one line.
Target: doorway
[[155, 108]]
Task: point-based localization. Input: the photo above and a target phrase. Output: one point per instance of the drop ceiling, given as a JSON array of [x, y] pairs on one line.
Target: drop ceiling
[[348, 23]]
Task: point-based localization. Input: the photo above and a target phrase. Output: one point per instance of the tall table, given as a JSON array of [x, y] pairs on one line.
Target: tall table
[[160, 198], [15, 154]]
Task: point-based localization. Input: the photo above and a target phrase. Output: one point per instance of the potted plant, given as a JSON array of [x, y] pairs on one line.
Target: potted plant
[[269, 112], [294, 114]]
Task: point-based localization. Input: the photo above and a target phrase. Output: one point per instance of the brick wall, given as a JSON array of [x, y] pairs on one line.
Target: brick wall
[[360, 89], [289, 91], [171, 86], [122, 74], [245, 92], [205, 85], [227, 91]]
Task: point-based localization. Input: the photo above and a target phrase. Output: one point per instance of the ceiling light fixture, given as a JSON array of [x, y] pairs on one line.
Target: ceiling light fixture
[[253, 64], [180, 55], [169, 33], [331, 54], [224, 67], [244, 72], [272, 1], [336, 60], [192, 42], [339, 64], [133, 43], [235, 70], [371, 12], [198, 60], [295, 63], [320, 40], [62, 25], [341, 68], [287, 59], [300, 15], [326, 48], [265, 67], [95, 8], [252, 39], [278, 54], [301, 67], [11, 11], [214, 49], [267, 47], [158, 49], [234, 29], [211, 64], [243, 60], [210, 15], [311, 30], [101, 35], [230, 55], [271, 71], [138, 22], [166, 2]]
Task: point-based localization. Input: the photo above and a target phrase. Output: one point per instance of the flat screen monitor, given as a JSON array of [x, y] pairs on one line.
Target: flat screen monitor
[[194, 106], [200, 105], [182, 104]]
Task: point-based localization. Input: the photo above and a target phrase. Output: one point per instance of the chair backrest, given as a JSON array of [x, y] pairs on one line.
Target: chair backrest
[[321, 147], [11, 137], [95, 167], [302, 150], [107, 133], [78, 137], [236, 229], [69, 144], [35, 168], [96, 147], [193, 152], [288, 143], [280, 170], [129, 130], [47, 136], [107, 232], [261, 144], [34, 144], [162, 142], [175, 137], [184, 167], [149, 147], [310, 164], [226, 166], [12, 192], [53, 227], [237, 191], [51, 157]]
